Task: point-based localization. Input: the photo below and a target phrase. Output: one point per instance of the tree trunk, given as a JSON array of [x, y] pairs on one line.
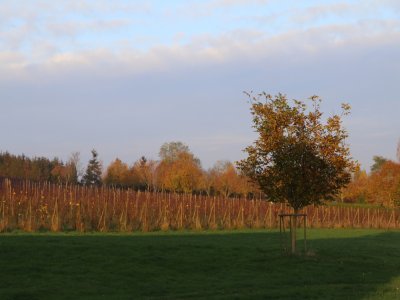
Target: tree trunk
[[293, 229]]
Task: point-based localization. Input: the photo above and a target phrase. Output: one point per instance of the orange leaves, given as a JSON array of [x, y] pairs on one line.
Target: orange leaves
[[117, 173], [346, 108], [144, 173], [183, 174], [225, 178], [297, 157], [382, 186]]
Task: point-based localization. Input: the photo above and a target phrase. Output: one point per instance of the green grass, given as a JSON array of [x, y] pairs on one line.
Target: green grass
[[343, 264]]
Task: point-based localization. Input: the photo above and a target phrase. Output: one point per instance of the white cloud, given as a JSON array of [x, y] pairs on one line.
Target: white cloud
[[141, 95], [73, 28], [317, 12], [43, 36], [62, 23], [228, 3], [10, 59], [208, 8], [238, 45]]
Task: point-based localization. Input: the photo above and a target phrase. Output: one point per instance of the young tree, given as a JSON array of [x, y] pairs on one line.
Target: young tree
[[92, 175], [297, 158]]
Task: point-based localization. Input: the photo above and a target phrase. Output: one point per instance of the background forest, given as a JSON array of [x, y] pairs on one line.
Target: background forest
[[178, 170]]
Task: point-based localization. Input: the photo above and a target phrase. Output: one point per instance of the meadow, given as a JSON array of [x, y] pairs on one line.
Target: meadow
[[78, 242], [248, 264]]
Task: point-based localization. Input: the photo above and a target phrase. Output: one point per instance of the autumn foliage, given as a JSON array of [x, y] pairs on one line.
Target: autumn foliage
[[381, 186], [298, 157], [179, 171], [39, 168]]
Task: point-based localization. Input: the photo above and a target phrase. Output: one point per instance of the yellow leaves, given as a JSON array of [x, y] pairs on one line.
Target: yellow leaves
[[380, 187], [117, 173], [182, 174], [295, 147], [226, 179], [346, 108]]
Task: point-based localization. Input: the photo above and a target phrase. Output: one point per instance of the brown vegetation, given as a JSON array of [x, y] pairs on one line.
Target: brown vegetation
[[43, 206]]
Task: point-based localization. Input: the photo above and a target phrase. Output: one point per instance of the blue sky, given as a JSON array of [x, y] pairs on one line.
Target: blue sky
[[126, 76]]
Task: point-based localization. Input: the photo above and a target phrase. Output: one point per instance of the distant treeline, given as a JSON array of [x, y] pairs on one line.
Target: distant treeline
[[381, 186], [37, 168], [177, 170]]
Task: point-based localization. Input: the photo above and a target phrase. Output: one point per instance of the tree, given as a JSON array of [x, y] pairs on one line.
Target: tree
[[92, 175], [170, 151], [143, 172], [379, 161], [183, 175], [297, 158], [356, 191], [179, 170], [398, 152], [68, 172], [117, 174], [397, 195], [383, 184], [37, 168], [226, 179], [380, 187], [60, 173], [75, 167], [206, 183]]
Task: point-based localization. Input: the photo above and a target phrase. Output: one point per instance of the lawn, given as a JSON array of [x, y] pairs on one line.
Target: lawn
[[343, 264]]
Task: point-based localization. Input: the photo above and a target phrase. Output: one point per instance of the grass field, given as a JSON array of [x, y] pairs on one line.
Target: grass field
[[343, 264]]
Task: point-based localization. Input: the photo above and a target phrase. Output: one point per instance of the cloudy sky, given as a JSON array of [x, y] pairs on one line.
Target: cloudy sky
[[123, 77]]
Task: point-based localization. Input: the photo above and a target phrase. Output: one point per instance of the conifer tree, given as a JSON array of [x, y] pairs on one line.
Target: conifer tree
[[93, 171]]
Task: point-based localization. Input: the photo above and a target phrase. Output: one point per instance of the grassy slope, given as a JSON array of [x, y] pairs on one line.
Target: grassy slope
[[347, 264]]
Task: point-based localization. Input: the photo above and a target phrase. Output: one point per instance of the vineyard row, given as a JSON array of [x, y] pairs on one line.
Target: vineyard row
[[31, 206]]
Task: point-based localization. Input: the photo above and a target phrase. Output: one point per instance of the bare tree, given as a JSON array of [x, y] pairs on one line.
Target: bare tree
[[74, 162], [398, 151]]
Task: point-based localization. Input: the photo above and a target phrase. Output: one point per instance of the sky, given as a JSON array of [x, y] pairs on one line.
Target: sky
[[124, 77]]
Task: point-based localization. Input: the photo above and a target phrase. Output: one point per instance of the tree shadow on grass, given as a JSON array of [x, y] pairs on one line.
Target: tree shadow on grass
[[343, 264], [351, 264]]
